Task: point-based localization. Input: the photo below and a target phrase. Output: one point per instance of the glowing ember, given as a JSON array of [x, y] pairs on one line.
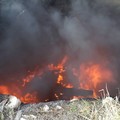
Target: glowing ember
[[30, 98], [69, 86], [4, 90], [60, 78], [56, 96]]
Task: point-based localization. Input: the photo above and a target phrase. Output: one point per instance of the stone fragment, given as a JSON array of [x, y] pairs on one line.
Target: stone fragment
[[13, 102], [46, 108]]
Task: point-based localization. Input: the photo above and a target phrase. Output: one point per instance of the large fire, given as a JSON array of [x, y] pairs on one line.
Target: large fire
[[90, 76]]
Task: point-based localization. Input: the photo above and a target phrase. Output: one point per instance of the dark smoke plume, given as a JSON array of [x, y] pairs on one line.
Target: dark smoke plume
[[30, 38]]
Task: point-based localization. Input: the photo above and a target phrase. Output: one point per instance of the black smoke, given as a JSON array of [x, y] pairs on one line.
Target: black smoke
[[29, 38]]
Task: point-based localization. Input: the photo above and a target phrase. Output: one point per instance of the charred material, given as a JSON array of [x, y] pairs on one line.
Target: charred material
[[49, 90]]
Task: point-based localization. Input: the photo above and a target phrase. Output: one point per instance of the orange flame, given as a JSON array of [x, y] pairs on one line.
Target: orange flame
[[30, 98], [31, 75], [92, 75], [4, 90]]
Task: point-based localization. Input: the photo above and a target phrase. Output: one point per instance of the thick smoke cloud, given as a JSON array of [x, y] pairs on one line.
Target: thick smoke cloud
[[30, 38], [35, 32], [92, 33]]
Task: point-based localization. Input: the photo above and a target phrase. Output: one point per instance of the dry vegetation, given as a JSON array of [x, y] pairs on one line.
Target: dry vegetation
[[105, 109]]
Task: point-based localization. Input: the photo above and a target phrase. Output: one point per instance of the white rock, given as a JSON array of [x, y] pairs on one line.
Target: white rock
[[46, 108], [2, 104], [23, 119], [13, 102], [18, 115], [58, 107], [27, 117], [33, 116]]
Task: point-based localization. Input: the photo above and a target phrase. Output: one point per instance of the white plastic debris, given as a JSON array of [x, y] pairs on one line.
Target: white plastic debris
[[58, 107], [46, 108], [13, 102]]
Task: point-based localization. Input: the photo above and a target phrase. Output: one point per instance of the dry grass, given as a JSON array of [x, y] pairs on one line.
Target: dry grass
[[106, 109]]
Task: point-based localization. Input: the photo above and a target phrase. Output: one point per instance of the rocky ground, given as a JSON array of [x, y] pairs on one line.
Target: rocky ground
[[83, 109]]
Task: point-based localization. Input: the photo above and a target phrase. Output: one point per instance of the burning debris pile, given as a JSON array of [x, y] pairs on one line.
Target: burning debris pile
[[47, 53]]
